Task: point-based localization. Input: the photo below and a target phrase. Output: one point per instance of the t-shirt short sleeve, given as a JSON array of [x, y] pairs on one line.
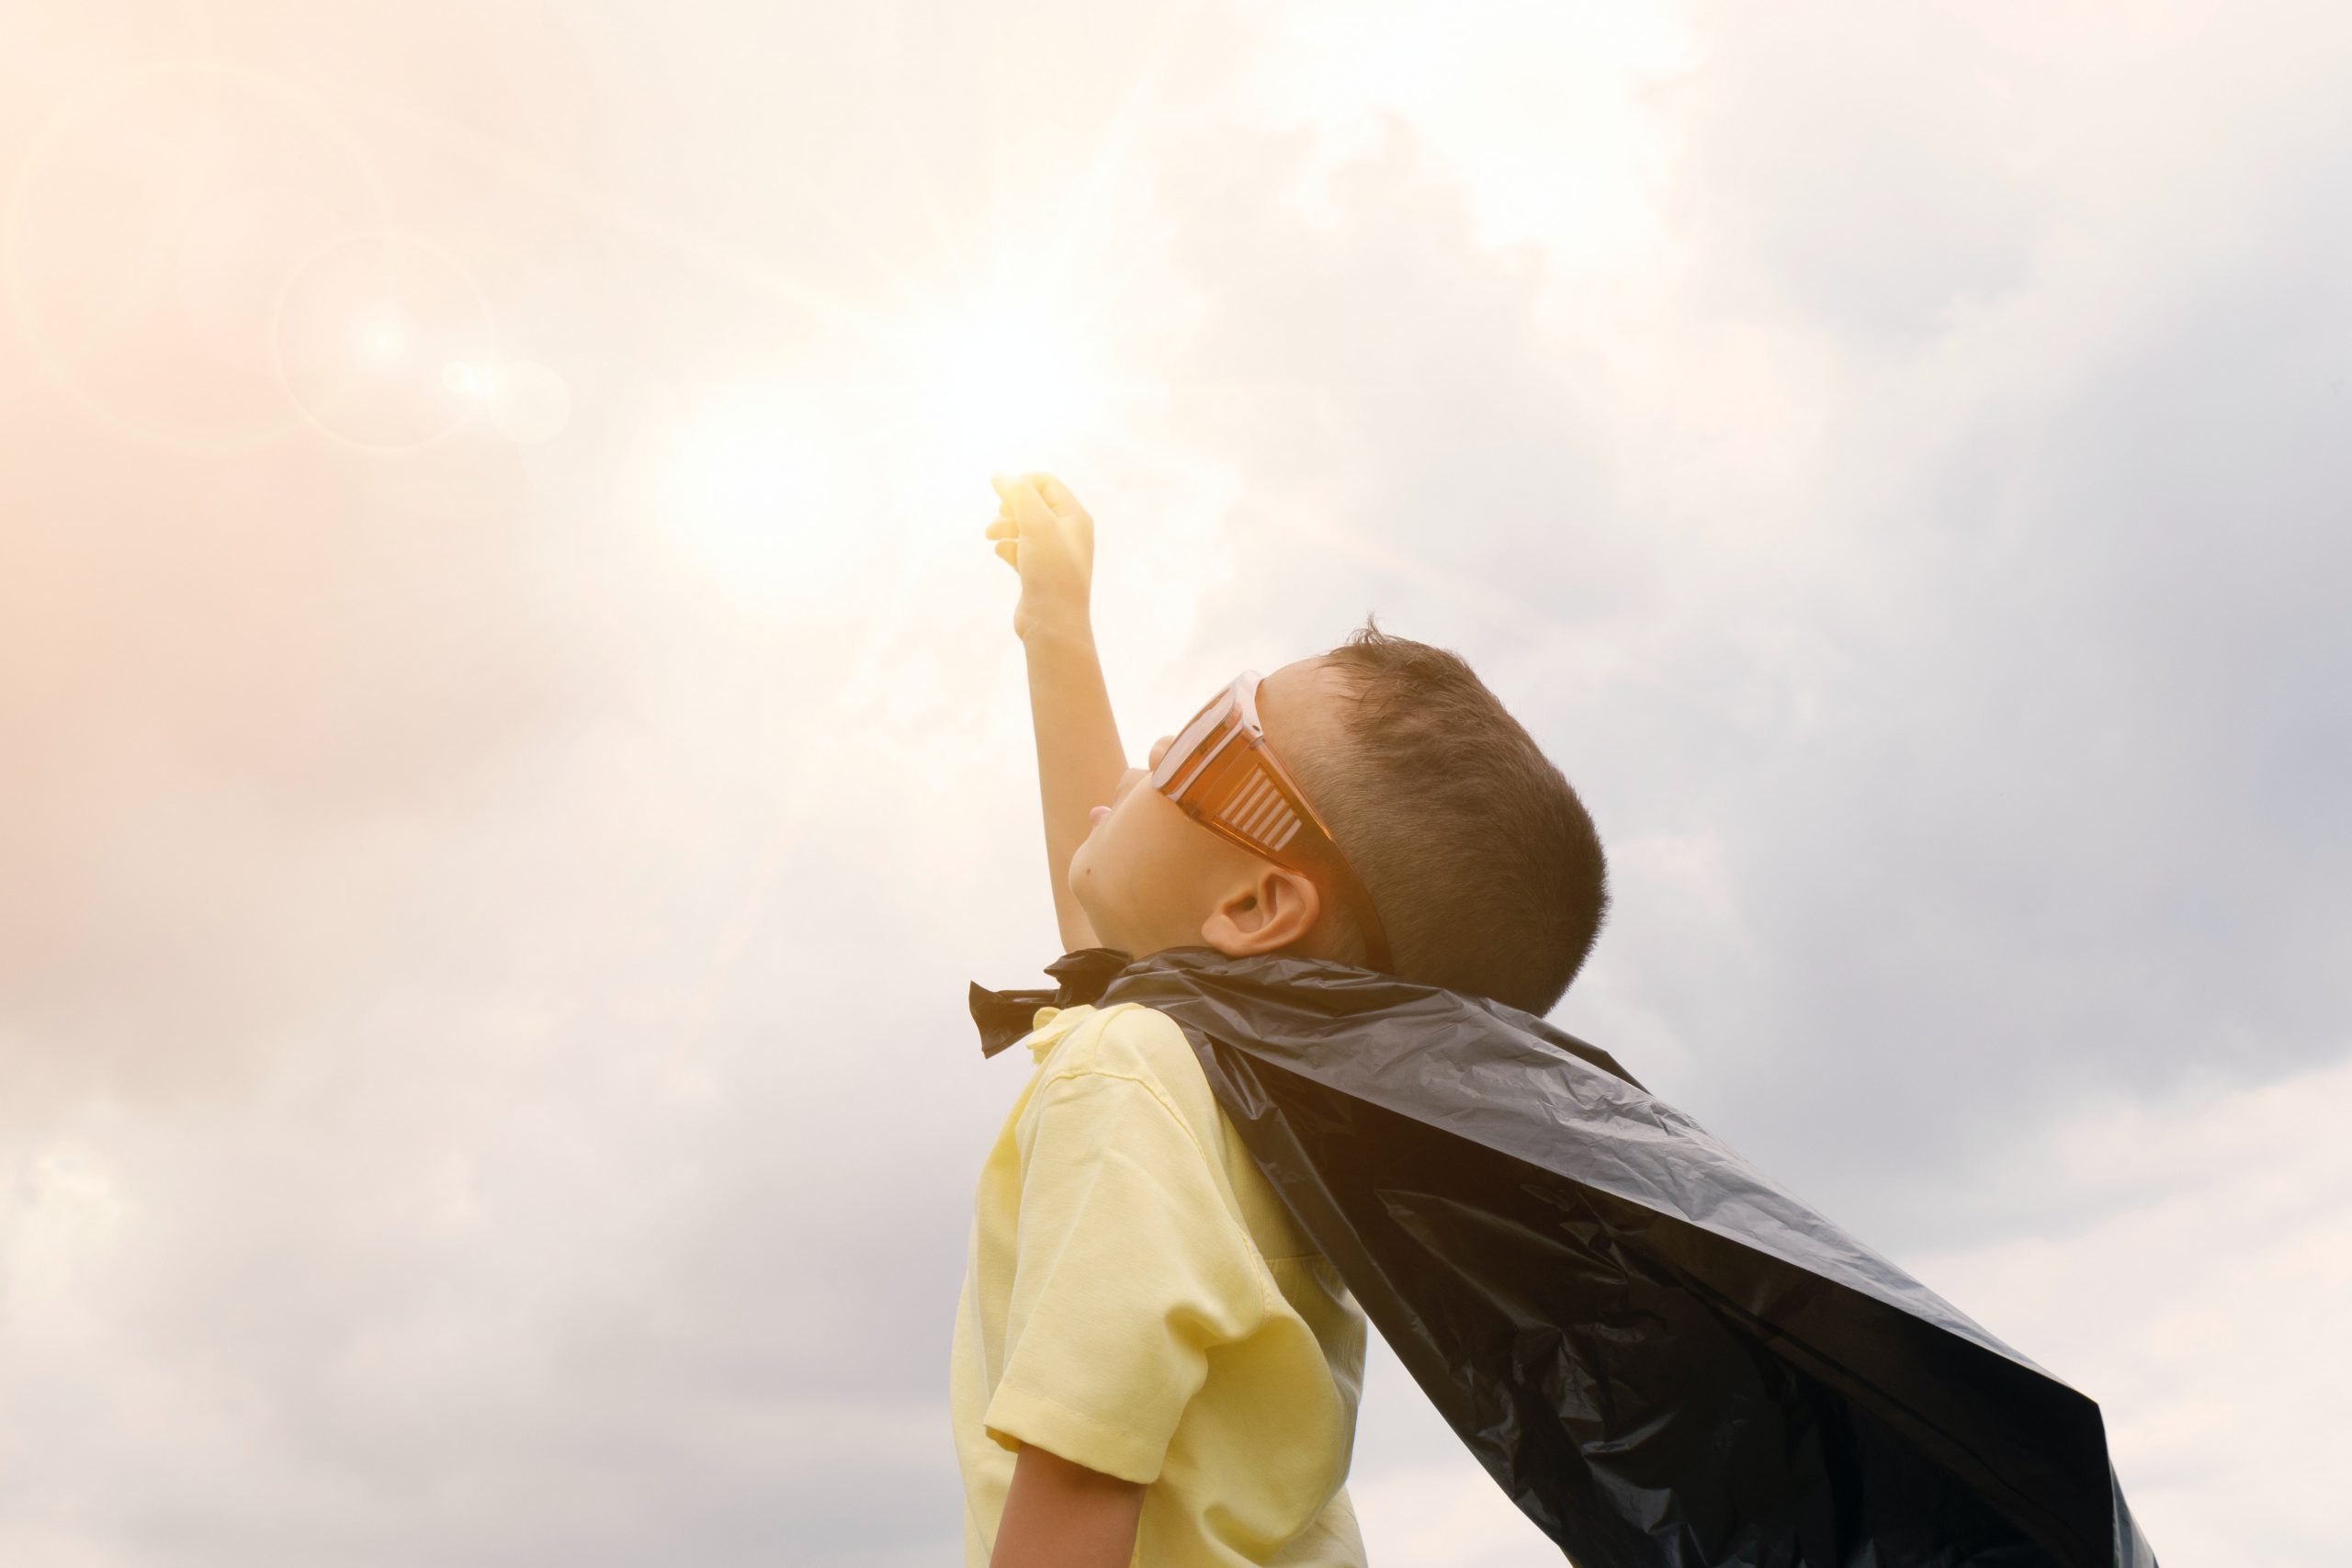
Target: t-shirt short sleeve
[[1129, 1267]]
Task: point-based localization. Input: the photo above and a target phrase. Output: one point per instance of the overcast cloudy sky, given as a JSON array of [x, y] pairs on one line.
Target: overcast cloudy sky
[[513, 744]]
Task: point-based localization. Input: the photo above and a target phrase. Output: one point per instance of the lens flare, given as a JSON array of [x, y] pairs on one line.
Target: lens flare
[[359, 330]]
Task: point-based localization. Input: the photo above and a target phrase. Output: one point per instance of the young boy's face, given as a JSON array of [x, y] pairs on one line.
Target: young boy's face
[[1151, 877]]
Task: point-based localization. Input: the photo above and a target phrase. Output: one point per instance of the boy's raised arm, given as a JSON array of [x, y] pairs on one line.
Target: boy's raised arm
[[1050, 540]]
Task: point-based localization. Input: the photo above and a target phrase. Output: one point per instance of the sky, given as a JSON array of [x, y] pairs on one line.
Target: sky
[[516, 742]]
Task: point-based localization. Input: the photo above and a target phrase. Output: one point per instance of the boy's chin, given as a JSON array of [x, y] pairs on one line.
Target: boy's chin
[[1107, 932]]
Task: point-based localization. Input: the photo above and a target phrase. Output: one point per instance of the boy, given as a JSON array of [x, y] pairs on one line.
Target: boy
[[1151, 1365]]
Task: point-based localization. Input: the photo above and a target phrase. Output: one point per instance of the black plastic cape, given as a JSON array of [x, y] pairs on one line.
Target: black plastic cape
[[1661, 1356]]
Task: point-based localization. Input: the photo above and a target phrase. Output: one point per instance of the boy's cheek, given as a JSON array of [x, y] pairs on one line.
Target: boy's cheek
[[1093, 867], [1097, 858], [1110, 870]]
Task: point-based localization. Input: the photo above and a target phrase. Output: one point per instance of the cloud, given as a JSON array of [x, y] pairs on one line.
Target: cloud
[[2052, 814], [480, 985], [2198, 1307], [1935, 545]]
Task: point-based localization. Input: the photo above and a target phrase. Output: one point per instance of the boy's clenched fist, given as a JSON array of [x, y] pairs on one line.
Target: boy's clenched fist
[[1046, 537]]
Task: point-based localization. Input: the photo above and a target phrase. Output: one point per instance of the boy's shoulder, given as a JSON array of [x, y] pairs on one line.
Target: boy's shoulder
[[1126, 1039], [1132, 1041]]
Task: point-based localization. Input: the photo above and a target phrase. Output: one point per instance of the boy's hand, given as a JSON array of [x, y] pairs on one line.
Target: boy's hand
[[1046, 537]]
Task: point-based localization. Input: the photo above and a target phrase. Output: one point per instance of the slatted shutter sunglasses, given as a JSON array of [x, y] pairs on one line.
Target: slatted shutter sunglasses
[[1220, 771]]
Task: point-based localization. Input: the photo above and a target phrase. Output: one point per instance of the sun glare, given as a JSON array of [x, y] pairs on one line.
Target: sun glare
[[1010, 386], [784, 489]]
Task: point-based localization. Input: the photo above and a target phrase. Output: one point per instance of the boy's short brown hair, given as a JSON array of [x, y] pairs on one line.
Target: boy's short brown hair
[[1485, 868]]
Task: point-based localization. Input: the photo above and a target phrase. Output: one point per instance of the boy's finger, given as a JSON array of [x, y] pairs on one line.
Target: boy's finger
[[1004, 528], [1009, 553], [1022, 498], [1056, 494]]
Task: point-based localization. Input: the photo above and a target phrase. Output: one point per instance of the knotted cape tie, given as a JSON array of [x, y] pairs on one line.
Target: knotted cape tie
[[1005, 1016]]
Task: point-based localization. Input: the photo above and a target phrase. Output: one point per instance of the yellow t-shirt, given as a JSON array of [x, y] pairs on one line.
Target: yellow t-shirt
[[1137, 1301]]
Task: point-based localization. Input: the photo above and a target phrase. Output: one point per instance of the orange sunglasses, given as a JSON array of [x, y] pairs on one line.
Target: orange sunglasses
[[1219, 770]]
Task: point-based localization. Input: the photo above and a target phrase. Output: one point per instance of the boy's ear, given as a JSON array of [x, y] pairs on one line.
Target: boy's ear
[[1274, 909]]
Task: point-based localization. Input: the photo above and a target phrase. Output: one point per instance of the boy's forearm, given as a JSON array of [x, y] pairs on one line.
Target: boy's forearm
[[1080, 759]]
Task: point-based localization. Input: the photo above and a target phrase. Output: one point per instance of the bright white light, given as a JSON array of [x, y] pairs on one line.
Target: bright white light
[[790, 490], [470, 381], [1008, 387]]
